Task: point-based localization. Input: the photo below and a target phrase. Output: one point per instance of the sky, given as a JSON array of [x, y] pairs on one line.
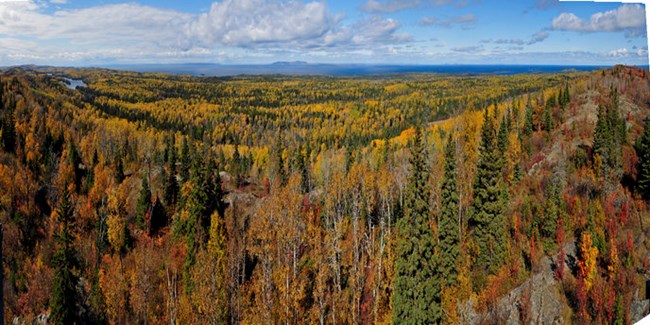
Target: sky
[[104, 32]]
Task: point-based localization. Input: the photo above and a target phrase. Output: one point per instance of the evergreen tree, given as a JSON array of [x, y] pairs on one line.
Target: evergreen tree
[[171, 184], [236, 166], [503, 136], [8, 131], [279, 160], [199, 205], [486, 211], [144, 202], [602, 135], [301, 167], [448, 222], [564, 98], [528, 123], [548, 121], [186, 161], [157, 218], [416, 299], [63, 299], [643, 152], [215, 190], [609, 136], [119, 170], [74, 159], [619, 131]]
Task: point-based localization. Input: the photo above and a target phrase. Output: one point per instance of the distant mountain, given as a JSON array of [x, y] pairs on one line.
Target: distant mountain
[[290, 63]]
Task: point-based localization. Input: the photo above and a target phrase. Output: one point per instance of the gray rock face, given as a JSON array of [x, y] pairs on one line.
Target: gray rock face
[[639, 309], [41, 319], [536, 301]]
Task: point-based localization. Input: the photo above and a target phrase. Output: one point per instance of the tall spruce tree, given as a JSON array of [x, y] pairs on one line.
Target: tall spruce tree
[[643, 152], [186, 160], [63, 299], [528, 122], [486, 211], [8, 131], [504, 130], [416, 299], [609, 136], [602, 135], [144, 202], [171, 184], [202, 200], [279, 160], [448, 224]]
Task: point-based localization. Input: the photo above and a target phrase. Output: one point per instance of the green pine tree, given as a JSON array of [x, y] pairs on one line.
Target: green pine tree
[[643, 152], [119, 170], [609, 136], [279, 160], [528, 123], [502, 138], [548, 121], [203, 199], [301, 167], [74, 159], [8, 131], [144, 202], [186, 161], [448, 225], [416, 299], [63, 299], [170, 193], [236, 166], [486, 211], [602, 135], [215, 190]]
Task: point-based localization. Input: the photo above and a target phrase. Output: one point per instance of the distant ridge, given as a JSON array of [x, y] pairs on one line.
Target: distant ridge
[[290, 63]]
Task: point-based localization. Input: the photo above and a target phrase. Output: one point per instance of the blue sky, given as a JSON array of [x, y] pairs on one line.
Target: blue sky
[[86, 32]]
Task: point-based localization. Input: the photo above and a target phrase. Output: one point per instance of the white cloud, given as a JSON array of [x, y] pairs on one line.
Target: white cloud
[[629, 18], [131, 30], [538, 37], [448, 22], [250, 22], [546, 4], [386, 6], [623, 52], [390, 6], [103, 25], [535, 38], [467, 49]]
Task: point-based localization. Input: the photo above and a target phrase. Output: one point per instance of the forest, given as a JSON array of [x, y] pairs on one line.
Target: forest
[[406, 198]]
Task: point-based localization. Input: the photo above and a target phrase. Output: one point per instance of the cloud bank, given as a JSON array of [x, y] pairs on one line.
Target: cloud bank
[[122, 31], [628, 18]]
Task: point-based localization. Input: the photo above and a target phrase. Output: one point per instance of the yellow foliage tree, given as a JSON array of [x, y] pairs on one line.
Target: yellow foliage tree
[[587, 263]]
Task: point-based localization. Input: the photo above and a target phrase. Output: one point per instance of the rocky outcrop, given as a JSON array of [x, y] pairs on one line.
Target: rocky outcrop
[[639, 309], [536, 301]]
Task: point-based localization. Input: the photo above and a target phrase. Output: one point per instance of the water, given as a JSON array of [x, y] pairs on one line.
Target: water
[[73, 83], [346, 69]]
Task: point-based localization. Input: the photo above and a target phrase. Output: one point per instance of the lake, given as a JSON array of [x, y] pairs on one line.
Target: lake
[[73, 83]]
